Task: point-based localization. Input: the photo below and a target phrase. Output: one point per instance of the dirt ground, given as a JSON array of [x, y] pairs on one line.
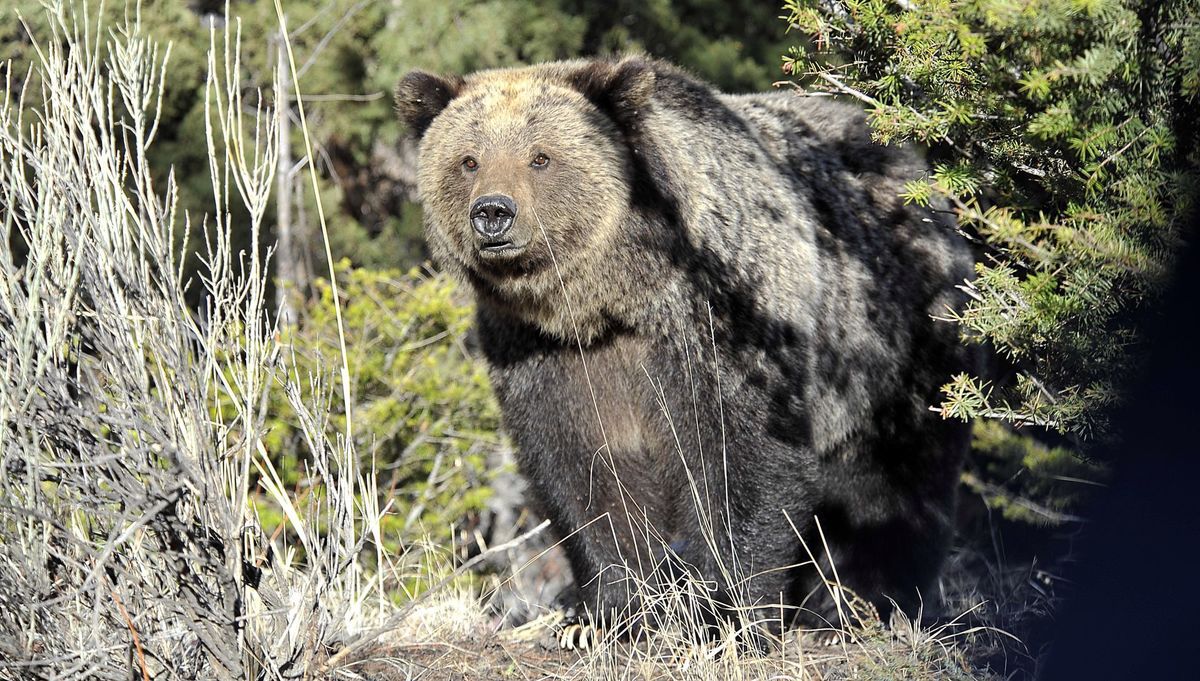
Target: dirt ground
[[437, 661], [532, 652]]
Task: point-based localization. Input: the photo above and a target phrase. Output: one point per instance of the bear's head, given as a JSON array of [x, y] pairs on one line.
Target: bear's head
[[525, 174]]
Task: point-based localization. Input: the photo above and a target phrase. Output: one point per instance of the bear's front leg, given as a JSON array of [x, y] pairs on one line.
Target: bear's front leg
[[604, 560]]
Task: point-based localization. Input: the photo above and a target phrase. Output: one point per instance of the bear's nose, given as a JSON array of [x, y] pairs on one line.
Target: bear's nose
[[492, 215]]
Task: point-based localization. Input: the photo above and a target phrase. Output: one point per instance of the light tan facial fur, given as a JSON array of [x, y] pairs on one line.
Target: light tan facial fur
[[568, 212]]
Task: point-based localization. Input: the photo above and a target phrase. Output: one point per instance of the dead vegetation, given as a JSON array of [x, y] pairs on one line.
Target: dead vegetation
[[128, 541]]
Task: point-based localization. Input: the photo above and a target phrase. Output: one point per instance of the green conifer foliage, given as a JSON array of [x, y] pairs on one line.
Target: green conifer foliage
[[1062, 133]]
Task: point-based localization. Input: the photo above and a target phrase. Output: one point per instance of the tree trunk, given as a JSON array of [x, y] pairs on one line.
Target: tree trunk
[[287, 267]]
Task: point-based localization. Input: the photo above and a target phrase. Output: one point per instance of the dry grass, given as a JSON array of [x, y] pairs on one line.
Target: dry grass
[[530, 651], [130, 423]]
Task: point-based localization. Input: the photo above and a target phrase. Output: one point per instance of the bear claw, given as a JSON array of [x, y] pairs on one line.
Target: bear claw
[[825, 638], [579, 637]]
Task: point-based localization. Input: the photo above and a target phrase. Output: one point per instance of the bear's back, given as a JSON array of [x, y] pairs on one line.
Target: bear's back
[[854, 186], [829, 135], [880, 269]]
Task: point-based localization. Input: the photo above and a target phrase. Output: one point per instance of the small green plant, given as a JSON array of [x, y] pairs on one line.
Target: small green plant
[[1025, 480], [422, 407]]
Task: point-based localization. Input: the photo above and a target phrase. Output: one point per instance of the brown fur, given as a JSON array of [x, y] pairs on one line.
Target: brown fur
[[717, 294], [570, 223]]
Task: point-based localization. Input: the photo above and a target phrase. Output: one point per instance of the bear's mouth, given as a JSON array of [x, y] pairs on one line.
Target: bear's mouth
[[500, 249]]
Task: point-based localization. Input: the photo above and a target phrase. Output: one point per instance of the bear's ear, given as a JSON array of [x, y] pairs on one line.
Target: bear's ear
[[421, 96], [619, 88]]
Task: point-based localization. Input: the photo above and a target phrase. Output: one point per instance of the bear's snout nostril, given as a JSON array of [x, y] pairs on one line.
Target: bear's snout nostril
[[492, 215]]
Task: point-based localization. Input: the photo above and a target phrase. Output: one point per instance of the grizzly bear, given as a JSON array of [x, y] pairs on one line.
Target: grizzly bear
[[709, 321]]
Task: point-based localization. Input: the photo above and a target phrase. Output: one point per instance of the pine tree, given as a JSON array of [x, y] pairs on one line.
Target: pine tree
[[1062, 133]]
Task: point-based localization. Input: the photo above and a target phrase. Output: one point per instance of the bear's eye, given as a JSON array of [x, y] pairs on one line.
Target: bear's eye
[[470, 163], [540, 161]]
